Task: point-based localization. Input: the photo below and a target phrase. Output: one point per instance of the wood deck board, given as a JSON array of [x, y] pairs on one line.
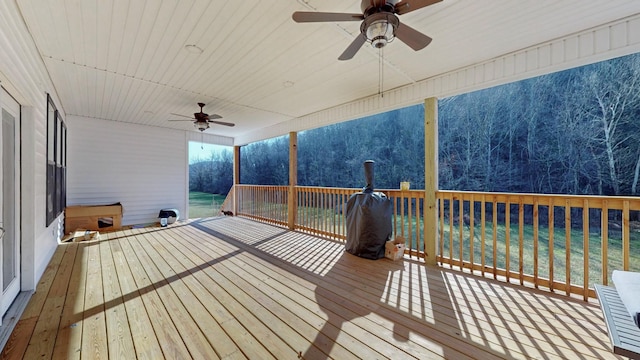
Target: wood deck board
[[46, 329], [120, 340], [94, 330], [232, 288], [237, 320], [223, 307], [269, 329], [143, 335], [168, 286], [69, 340], [169, 337], [199, 306]]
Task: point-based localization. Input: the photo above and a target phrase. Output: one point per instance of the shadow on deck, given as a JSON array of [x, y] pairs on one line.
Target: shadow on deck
[[229, 287]]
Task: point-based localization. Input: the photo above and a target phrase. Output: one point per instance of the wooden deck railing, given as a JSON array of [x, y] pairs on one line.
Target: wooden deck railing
[[321, 210], [264, 203], [562, 242]]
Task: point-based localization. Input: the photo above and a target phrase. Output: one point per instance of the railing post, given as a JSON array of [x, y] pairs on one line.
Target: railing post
[[236, 177], [293, 179], [430, 179]]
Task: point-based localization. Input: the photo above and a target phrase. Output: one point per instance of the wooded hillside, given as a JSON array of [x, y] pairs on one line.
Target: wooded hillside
[[572, 132]]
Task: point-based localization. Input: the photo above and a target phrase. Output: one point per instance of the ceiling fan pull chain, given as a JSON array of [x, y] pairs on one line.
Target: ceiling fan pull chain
[[381, 72]]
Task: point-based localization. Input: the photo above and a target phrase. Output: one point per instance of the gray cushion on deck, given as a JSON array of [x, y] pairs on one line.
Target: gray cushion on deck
[[628, 286]]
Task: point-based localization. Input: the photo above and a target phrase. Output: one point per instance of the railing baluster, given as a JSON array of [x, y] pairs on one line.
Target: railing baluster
[[471, 234], [332, 211], [402, 218], [507, 231], [625, 235], [495, 236], [308, 223], [521, 239], [419, 234], [343, 209], [315, 212], [535, 243], [270, 203], [585, 247], [604, 220], [451, 230], [551, 227], [567, 246], [483, 232], [410, 224], [461, 230], [322, 209], [441, 240]]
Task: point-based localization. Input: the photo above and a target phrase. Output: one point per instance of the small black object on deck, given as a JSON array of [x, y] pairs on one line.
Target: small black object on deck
[[168, 216]]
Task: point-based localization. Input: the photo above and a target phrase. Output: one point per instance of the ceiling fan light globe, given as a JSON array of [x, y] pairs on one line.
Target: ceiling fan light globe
[[380, 29], [202, 126]]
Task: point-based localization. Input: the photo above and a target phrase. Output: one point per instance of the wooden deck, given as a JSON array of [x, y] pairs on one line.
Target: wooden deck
[[229, 287]]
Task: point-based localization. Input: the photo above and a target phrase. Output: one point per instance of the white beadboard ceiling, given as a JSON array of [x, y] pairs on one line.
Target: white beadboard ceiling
[[125, 60]]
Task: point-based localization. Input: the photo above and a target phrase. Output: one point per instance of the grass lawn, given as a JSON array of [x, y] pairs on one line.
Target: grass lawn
[[575, 245], [204, 204]]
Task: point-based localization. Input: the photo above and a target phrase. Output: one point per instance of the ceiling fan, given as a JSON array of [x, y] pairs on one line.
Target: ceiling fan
[[201, 120], [380, 24]]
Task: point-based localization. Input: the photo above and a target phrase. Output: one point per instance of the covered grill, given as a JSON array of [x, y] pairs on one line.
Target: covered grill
[[369, 223]]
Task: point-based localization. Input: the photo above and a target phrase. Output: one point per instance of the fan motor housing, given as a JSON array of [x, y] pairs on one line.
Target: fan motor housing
[[369, 6]]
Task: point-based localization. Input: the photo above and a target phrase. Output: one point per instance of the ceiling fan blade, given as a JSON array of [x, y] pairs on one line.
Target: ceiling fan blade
[[214, 116], [412, 37], [222, 123], [184, 116], [406, 6], [353, 48], [192, 120], [312, 16]]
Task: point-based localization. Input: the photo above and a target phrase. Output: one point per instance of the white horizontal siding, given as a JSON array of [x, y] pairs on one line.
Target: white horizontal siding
[[142, 167], [605, 42], [23, 74]]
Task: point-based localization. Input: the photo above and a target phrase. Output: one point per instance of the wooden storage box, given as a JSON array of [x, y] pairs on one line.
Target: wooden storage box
[[93, 217]]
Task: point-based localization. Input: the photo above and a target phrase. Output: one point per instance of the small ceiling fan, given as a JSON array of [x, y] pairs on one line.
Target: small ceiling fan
[[201, 120], [380, 24]]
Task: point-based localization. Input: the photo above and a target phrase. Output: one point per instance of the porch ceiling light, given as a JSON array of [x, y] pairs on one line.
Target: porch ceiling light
[[380, 28], [201, 125]]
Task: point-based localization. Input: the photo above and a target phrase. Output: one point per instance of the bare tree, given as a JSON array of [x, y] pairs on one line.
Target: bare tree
[[614, 90]]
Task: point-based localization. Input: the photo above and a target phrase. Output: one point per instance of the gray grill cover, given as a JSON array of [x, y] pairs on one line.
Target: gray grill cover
[[369, 220]]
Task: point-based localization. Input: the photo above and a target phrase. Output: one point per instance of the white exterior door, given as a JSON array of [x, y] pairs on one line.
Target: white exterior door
[[9, 200]]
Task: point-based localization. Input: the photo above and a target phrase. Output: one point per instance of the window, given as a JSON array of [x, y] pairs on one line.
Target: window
[[56, 162]]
